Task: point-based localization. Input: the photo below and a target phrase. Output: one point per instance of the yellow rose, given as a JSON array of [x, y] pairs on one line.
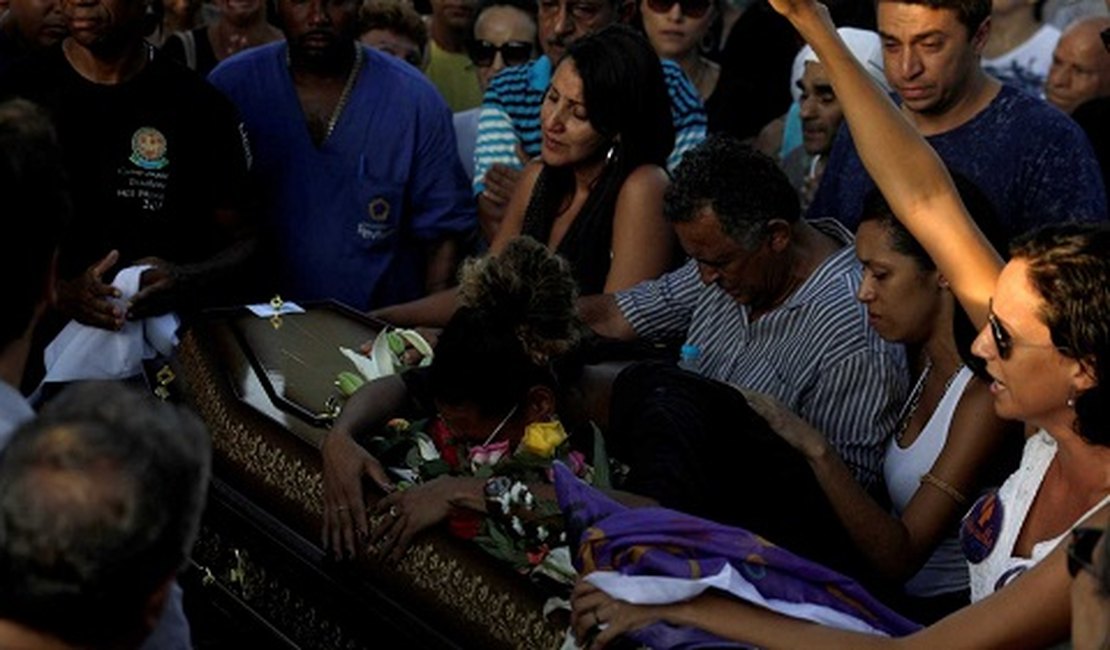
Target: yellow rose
[[543, 438]]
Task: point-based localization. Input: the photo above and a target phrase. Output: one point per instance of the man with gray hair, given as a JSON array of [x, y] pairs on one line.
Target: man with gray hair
[[1080, 68], [100, 502], [768, 300]]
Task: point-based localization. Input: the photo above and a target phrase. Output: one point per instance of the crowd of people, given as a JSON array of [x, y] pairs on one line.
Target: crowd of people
[[877, 233]]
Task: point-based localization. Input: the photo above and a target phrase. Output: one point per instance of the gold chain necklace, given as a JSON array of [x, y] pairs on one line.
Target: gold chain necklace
[[343, 96]]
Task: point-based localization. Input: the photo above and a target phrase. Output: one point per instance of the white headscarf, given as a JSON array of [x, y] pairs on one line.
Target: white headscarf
[[864, 44]]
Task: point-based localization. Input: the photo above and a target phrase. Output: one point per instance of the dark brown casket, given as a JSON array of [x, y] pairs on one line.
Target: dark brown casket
[[261, 387]]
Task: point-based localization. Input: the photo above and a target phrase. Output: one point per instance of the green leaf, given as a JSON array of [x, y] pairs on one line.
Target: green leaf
[[601, 460]]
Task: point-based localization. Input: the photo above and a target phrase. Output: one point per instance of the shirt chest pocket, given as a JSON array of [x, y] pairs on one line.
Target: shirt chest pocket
[[378, 211]]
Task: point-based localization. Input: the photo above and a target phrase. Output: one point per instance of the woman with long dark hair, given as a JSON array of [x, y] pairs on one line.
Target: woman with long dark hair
[[595, 195]]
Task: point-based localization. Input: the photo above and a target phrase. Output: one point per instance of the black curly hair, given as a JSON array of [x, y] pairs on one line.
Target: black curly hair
[[744, 187], [982, 212], [517, 326]]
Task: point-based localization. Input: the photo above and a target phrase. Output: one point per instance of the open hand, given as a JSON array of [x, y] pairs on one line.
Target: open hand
[[597, 618], [88, 299], [407, 512], [345, 463], [793, 429]]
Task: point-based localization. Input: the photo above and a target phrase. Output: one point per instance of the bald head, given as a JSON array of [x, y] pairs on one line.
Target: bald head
[[1080, 65]]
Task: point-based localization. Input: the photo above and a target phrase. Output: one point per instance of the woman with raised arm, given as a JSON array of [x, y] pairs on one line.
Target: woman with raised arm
[[1046, 341]]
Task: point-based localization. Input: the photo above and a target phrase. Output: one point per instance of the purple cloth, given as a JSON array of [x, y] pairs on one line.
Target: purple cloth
[[662, 542]]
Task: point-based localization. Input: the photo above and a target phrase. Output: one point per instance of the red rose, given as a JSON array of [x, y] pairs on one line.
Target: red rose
[[464, 524], [445, 442]]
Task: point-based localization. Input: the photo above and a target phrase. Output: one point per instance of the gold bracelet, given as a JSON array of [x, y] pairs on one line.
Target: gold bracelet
[[959, 498]]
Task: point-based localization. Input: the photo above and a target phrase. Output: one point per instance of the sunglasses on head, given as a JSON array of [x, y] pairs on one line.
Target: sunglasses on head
[[1003, 341], [1082, 546], [690, 8], [482, 53]]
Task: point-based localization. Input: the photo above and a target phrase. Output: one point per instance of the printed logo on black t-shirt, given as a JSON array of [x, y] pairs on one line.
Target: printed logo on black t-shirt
[[148, 148]]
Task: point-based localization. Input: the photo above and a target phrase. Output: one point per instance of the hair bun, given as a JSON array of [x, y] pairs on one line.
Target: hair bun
[[528, 290]]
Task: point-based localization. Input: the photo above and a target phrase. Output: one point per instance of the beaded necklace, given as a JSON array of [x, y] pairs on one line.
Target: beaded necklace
[[915, 397]]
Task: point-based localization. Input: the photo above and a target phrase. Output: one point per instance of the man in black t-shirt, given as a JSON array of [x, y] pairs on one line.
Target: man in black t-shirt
[[157, 161]]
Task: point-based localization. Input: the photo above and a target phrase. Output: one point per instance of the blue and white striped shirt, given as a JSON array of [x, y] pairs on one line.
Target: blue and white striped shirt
[[510, 116], [815, 353]]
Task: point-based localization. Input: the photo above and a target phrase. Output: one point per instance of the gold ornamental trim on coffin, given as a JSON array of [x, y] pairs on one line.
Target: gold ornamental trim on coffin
[[441, 578]]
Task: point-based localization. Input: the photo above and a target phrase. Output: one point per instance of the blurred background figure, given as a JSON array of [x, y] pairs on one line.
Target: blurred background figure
[[33, 184], [395, 28], [679, 30], [812, 123], [177, 16], [29, 26], [448, 64], [1019, 49], [1089, 566], [1080, 68], [100, 502], [239, 25], [504, 35], [1062, 13]]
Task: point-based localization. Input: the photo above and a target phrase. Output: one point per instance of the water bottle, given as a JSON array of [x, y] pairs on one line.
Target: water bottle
[[688, 357]]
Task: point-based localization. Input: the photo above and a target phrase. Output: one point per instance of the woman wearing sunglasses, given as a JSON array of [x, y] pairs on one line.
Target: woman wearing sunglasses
[[1089, 568], [1046, 342], [677, 29], [503, 35]]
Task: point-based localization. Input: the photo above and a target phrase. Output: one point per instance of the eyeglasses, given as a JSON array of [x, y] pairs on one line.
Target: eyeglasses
[[690, 8], [1082, 546], [1105, 34], [1005, 343], [482, 53]]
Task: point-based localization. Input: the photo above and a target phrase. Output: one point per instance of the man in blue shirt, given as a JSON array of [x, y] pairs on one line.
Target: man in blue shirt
[[363, 193], [509, 124], [1033, 163]]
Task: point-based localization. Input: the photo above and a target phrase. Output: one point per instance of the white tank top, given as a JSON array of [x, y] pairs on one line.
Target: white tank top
[[990, 530], [946, 569]]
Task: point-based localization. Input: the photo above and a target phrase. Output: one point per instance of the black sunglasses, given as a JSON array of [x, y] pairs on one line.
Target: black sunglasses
[[1105, 34], [690, 8], [482, 53], [1082, 546], [1003, 342]]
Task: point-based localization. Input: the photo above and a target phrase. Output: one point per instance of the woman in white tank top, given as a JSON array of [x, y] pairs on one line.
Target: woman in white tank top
[[948, 438]]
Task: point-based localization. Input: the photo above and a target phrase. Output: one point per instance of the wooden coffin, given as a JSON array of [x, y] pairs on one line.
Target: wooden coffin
[[260, 387]]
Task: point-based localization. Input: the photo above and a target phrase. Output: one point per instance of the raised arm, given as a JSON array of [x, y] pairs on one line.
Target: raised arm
[[905, 168]]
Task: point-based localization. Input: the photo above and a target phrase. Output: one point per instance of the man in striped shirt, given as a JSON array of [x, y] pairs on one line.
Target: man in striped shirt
[[509, 123], [769, 301]]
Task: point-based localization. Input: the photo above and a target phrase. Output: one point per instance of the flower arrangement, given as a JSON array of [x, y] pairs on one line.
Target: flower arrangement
[[520, 529]]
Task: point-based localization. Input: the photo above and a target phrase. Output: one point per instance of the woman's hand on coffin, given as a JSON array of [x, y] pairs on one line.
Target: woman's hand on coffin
[[793, 429], [345, 464], [86, 298], [597, 618], [404, 513]]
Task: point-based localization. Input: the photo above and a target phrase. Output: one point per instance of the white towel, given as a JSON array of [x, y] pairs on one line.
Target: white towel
[[84, 352]]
